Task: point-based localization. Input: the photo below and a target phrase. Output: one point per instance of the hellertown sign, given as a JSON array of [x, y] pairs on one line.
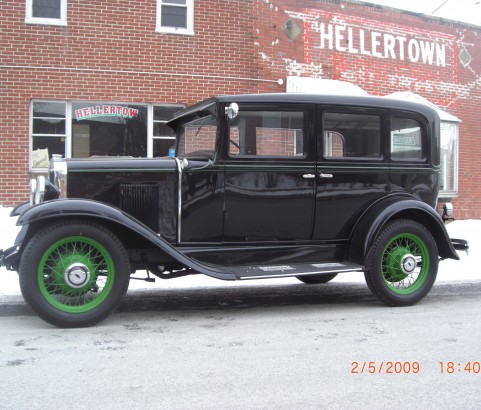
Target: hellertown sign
[[379, 44]]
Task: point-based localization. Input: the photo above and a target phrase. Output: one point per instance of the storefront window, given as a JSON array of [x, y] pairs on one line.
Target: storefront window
[[88, 129], [105, 129], [163, 136], [48, 131]]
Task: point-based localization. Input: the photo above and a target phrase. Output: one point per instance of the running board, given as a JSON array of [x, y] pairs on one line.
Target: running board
[[292, 269]]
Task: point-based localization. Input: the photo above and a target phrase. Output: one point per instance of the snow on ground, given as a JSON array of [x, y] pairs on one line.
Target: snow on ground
[[466, 269]]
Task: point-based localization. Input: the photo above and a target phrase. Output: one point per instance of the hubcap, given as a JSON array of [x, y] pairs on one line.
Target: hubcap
[[408, 264], [77, 275]]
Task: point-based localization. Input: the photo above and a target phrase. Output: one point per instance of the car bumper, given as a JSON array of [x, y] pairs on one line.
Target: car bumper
[[460, 244], [9, 258]]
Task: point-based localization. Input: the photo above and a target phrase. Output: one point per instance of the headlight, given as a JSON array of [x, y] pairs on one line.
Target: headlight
[[39, 190], [58, 175], [42, 190], [33, 187]]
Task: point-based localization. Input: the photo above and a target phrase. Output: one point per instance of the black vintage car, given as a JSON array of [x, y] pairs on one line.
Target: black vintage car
[[261, 186]]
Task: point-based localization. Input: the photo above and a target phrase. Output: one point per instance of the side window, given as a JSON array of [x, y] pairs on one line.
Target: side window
[[351, 136], [267, 134], [49, 12], [406, 140], [175, 16], [197, 136]]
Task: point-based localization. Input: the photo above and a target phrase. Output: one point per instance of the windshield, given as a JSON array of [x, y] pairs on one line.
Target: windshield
[[197, 136]]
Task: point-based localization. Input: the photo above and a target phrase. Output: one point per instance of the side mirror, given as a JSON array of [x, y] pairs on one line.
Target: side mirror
[[232, 110]]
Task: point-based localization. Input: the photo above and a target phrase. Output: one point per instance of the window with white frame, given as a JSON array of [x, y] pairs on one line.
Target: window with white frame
[[81, 129], [48, 132], [448, 186], [175, 16], [163, 139], [49, 12]]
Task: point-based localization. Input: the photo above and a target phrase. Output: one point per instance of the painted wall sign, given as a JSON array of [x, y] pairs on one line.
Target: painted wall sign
[[355, 40], [387, 43], [106, 111]]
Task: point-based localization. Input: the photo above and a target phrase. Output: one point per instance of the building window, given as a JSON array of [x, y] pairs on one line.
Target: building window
[[86, 129], [108, 129], [49, 12], [48, 131], [175, 16], [449, 159], [163, 139]]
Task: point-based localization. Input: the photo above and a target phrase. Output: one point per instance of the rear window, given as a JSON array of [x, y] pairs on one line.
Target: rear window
[[406, 140]]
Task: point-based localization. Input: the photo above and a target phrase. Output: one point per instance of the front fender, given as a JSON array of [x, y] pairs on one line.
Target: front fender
[[375, 218], [77, 208]]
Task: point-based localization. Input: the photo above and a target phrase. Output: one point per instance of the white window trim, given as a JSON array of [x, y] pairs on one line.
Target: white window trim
[[62, 21], [30, 133], [150, 128], [189, 31]]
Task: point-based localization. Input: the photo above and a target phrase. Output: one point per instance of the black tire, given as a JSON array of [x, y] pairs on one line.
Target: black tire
[[74, 273], [316, 279], [402, 264]]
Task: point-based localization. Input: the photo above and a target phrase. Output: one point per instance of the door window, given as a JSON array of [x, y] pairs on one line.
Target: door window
[[267, 134], [353, 135]]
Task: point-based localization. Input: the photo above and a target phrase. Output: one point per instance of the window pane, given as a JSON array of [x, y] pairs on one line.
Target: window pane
[[49, 109], [54, 145], [48, 126], [351, 136], [174, 1], [173, 16], [46, 9], [106, 129], [165, 113], [162, 146], [267, 133], [162, 130], [198, 135], [406, 140], [449, 137]]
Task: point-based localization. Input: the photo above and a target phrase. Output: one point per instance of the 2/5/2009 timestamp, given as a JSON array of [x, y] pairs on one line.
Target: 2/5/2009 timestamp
[[460, 367]]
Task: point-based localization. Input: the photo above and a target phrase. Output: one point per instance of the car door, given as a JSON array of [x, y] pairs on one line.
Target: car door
[[352, 169], [269, 177]]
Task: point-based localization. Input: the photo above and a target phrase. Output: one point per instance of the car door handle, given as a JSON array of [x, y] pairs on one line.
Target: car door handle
[[309, 176], [322, 175]]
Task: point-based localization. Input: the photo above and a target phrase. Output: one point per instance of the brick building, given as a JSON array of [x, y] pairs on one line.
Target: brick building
[[81, 78]]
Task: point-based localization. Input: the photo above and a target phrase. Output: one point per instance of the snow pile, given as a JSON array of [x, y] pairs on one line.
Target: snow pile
[[465, 269]]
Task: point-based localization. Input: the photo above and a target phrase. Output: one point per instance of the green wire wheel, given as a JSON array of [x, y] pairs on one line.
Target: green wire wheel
[[403, 263], [74, 274]]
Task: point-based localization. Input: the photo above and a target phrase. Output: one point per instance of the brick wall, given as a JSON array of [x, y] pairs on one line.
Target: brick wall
[[112, 53]]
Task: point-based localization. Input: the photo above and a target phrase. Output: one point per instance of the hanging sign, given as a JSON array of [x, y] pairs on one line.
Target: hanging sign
[[106, 111]]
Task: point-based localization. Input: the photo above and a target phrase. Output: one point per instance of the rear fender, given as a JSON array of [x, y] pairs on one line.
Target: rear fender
[[375, 218], [78, 208]]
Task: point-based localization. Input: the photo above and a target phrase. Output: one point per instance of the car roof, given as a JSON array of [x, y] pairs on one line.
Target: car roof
[[321, 99]]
